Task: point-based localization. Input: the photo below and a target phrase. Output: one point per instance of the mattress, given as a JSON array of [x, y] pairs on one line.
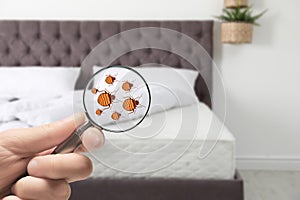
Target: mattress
[[172, 151], [187, 141]]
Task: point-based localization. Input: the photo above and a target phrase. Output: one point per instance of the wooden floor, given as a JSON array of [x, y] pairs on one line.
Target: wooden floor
[[271, 185]]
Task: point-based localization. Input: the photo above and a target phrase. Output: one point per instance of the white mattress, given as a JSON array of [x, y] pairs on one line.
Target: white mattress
[[188, 146]]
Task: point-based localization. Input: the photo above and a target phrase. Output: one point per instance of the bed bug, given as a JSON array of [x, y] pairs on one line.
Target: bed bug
[[94, 90], [99, 112], [110, 79], [126, 86], [130, 104], [105, 98], [115, 116]]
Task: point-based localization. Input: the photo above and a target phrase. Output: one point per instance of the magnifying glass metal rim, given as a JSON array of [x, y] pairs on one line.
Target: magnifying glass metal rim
[[86, 89]]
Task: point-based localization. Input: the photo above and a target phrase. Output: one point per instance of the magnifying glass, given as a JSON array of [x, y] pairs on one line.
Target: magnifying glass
[[116, 99]]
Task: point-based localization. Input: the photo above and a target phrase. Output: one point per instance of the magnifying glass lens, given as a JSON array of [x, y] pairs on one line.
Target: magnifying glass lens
[[116, 99]]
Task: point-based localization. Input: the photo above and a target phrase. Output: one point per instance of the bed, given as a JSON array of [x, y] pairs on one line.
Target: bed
[[65, 44]]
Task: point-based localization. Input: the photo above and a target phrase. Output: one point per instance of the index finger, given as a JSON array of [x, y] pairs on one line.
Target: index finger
[[41, 138]]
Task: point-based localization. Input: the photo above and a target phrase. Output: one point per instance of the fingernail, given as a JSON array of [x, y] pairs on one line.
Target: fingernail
[[95, 135], [79, 117], [94, 138], [32, 165]]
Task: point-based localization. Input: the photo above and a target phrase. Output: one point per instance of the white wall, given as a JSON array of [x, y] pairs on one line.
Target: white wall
[[263, 89], [262, 79]]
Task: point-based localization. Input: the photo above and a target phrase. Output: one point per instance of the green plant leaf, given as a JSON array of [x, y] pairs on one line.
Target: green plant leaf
[[248, 16], [239, 14], [229, 14], [244, 14], [255, 17]]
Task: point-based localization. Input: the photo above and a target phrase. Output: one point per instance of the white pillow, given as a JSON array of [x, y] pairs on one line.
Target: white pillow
[[28, 81], [180, 82]]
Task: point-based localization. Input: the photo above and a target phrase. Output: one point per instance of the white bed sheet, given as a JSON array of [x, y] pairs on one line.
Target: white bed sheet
[[13, 124]]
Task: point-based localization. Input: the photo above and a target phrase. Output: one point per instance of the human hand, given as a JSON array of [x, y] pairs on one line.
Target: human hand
[[49, 175]]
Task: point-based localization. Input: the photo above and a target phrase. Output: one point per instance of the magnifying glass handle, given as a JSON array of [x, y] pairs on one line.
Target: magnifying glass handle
[[72, 142]]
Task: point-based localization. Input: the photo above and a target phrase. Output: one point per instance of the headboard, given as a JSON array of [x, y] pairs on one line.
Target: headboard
[[66, 43]]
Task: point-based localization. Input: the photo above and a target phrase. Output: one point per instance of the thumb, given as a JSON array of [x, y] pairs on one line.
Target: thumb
[[38, 139]]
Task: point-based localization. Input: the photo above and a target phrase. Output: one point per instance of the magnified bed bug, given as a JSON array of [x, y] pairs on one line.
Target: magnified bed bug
[[115, 116], [126, 86], [94, 90], [110, 79], [105, 98], [99, 112], [130, 104]]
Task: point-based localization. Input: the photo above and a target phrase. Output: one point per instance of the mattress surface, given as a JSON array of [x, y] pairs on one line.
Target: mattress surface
[[184, 142]]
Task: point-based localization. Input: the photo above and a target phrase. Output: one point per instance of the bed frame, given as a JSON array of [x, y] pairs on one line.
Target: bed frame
[[67, 43]]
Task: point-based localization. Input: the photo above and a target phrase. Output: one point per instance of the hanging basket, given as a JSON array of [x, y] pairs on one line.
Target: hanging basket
[[237, 32], [235, 3]]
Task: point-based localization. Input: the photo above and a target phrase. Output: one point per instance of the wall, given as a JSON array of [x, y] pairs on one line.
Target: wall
[[262, 79]]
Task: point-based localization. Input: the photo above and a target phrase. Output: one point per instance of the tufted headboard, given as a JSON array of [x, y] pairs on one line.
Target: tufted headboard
[[67, 43]]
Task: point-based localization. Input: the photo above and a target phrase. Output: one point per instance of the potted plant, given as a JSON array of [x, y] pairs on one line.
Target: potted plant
[[237, 24]]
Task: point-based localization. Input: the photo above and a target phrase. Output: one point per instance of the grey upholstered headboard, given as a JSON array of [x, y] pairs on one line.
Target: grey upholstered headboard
[[66, 43]]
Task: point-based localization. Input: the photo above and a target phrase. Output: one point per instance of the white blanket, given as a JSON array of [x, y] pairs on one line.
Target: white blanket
[[41, 109], [34, 111]]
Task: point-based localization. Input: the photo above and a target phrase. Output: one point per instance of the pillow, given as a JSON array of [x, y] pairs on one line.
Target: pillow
[[27, 81], [179, 82], [164, 74]]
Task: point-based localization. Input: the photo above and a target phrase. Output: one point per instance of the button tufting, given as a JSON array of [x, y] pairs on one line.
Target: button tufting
[[38, 36], [199, 35], [57, 36], [28, 50], [7, 51], [48, 51], [69, 50], [87, 51], [17, 35], [98, 37]]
